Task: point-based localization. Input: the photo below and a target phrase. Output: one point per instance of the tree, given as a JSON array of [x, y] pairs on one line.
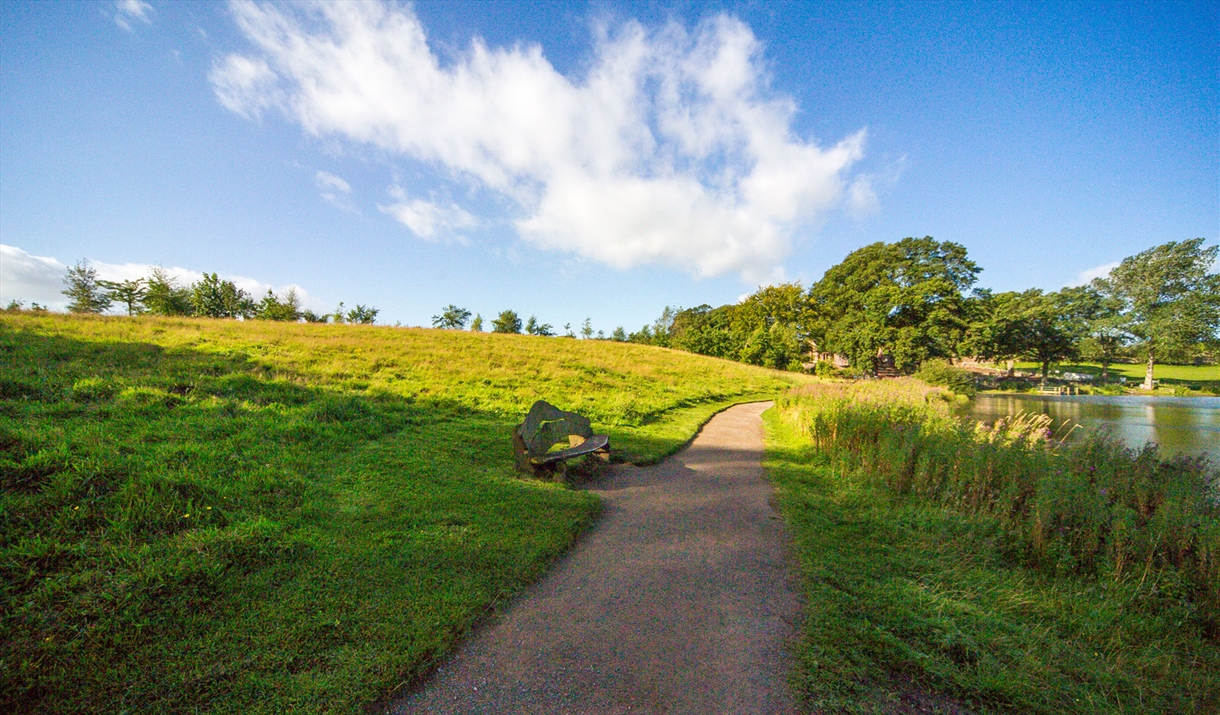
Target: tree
[[129, 292], [214, 298], [996, 330], [287, 309], [508, 322], [905, 298], [619, 335], [1170, 302], [362, 314], [451, 318], [586, 329], [85, 293], [533, 327], [340, 315], [311, 317], [477, 324], [164, 297], [1053, 326]]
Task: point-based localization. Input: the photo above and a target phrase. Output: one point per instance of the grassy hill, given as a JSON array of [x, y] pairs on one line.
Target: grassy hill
[[264, 517]]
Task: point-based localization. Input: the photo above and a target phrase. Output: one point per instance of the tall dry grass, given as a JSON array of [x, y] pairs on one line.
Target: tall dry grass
[[1092, 506]]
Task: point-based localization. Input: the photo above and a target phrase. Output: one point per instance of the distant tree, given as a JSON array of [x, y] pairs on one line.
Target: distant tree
[[85, 293], [1171, 302], [15, 306], [720, 332], [1106, 334], [1053, 327], [163, 296], [996, 326], [619, 335], [286, 309], [451, 318], [601, 335], [311, 317], [476, 325], [586, 329], [567, 331], [508, 322], [214, 298], [775, 347], [362, 314], [533, 327], [130, 293], [340, 315]]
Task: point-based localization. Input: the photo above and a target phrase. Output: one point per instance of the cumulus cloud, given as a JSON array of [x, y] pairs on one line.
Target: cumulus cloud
[[428, 219], [669, 148], [1087, 276], [334, 190], [39, 279], [127, 12]]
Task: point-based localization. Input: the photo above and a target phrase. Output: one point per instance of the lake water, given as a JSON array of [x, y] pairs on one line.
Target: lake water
[[1180, 425]]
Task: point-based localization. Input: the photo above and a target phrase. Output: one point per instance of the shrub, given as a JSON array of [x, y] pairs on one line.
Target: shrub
[[940, 372]]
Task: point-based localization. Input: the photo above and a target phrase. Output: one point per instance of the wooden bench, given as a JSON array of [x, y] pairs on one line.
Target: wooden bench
[[545, 426]]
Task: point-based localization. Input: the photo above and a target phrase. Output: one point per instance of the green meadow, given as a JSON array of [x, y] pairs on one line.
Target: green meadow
[[222, 516], [1194, 377]]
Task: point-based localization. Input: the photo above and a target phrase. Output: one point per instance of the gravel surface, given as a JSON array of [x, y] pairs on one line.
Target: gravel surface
[[679, 600]]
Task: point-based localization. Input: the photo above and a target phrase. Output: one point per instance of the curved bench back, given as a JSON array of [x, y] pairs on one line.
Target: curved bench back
[[546, 424]]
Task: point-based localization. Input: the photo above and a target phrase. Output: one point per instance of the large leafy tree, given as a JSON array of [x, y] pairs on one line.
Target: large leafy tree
[[451, 318], [997, 329], [1054, 324], [905, 298], [1170, 299], [85, 292]]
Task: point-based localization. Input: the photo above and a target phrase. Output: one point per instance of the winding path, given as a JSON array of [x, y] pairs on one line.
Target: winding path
[[677, 601]]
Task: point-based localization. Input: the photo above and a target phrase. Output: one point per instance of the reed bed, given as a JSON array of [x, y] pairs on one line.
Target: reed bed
[[1092, 506]]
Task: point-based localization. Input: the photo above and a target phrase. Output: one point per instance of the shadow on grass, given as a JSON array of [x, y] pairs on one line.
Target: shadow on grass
[[183, 529]]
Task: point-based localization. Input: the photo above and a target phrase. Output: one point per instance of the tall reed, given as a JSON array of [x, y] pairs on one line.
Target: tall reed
[[1091, 506]]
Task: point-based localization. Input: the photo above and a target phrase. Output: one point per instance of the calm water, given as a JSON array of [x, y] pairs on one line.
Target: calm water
[[1180, 425]]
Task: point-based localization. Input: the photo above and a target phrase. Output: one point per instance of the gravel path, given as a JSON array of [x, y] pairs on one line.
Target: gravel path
[[677, 601]]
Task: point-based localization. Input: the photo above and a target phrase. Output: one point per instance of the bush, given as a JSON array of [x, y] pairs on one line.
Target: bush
[[940, 372]]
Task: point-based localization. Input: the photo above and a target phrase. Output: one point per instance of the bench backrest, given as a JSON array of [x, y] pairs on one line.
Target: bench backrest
[[546, 424]]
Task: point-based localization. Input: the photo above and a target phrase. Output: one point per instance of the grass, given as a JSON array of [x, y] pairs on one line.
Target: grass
[[934, 598], [1205, 378], [215, 516]]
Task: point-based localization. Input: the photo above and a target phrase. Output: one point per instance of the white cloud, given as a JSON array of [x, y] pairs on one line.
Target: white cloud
[[39, 279], [670, 148], [29, 278], [428, 219], [127, 12], [1087, 276], [334, 190]]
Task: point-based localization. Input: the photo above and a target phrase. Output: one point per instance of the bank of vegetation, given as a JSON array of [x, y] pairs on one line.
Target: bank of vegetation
[[993, 568], [917, 299], [244, 517]]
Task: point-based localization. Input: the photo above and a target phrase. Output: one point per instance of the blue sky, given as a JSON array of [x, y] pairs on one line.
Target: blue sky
[[597, 160]]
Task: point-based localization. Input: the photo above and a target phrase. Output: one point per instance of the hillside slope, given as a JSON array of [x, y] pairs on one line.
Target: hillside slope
[[264, 517]]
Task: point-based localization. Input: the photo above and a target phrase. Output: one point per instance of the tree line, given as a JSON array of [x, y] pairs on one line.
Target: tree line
[[210, 297], [453, 317], [916, 300]]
